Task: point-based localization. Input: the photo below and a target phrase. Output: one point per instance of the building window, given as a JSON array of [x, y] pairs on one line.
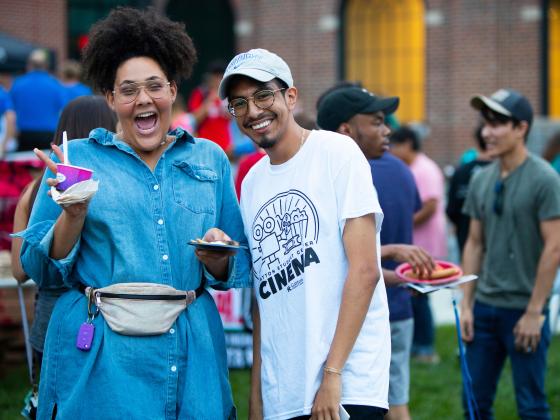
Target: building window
[[384, 48], [82, 14], [554, 58]]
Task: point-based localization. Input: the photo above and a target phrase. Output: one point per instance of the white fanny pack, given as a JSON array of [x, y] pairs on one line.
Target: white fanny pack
[[141, 308]]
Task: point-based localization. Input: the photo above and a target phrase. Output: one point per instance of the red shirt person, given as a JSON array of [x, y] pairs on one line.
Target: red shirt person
[[209, 111]]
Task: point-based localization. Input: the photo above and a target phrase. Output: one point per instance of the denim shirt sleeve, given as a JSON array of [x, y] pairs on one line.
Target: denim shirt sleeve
[[37, 240], [229, 220]]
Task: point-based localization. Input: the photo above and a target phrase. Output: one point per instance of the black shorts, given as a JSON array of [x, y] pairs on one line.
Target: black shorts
[[358, 412]]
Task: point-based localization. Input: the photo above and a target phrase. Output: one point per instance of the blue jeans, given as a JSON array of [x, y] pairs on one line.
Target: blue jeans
[[493, 343], [424, 332]]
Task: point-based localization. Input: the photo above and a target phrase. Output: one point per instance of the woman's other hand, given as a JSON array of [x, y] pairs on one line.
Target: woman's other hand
[[216, 262]]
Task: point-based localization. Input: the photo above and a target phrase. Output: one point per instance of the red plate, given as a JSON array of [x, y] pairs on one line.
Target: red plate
[[403, 268]]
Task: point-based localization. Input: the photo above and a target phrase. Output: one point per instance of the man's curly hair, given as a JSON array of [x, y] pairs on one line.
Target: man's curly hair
[[128, 33]]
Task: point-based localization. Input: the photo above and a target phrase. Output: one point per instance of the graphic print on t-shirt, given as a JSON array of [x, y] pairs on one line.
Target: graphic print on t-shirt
[[285, 230]]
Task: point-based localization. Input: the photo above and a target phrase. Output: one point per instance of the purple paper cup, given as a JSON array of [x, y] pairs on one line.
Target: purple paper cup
[[68, 175]]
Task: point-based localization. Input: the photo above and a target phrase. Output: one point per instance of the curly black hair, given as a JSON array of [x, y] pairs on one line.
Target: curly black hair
[[128, 33]]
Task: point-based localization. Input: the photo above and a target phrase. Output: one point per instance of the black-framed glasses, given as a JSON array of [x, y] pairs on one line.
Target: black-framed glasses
[[263, 99], [128, 92], [498, 205]]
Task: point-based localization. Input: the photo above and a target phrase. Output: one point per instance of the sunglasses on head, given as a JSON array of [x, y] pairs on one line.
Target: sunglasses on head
[[498, 205]]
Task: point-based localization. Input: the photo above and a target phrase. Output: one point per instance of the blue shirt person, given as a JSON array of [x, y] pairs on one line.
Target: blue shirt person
[[75, 90], [5, 101], [38, 100], [70, 76], [399, 200], [157, 190], [7, 122]]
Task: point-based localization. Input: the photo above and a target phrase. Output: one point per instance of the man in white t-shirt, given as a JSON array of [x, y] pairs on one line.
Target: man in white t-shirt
[[311, 214]]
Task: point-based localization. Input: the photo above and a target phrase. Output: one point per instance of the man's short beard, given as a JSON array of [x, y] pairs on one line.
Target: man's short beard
[[266, 143]]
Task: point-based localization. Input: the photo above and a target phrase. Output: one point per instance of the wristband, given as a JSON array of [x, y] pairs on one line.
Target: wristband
[[333, 370]]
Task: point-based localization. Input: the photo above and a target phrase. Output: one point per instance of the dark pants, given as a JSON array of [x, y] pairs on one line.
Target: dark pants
[[424, 332], [28, 140], [358, 412], [493, 343]]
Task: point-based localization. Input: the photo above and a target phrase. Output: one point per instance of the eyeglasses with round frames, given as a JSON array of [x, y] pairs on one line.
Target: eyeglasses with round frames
[[263, 99], [128, 92]]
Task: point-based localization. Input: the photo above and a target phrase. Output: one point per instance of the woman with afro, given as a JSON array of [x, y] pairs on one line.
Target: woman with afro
[[157, 190]]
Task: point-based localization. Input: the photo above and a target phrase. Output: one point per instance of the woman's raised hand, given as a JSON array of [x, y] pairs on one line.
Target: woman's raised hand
[[51, 164], [73, 210]]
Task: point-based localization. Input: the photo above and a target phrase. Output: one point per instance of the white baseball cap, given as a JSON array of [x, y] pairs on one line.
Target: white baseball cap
[[258, 64]]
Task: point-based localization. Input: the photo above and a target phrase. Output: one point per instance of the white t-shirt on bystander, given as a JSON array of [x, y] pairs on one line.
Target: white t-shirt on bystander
[[294, 216]]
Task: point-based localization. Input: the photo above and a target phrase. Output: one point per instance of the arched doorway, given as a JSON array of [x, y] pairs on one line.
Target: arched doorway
[[210, 25], [383, 46], [84, 13], [554, 58]]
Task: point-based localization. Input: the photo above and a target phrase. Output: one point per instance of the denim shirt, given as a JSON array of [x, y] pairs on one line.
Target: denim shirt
[[136, 230]]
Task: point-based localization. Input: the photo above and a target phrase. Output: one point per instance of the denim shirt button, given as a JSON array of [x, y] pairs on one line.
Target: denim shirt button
[[173, 368], [156, 187], [160, 222], [165, 257], [171, 331]]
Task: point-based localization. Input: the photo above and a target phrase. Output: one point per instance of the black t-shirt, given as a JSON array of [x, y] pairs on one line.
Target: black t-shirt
[[458, 189]]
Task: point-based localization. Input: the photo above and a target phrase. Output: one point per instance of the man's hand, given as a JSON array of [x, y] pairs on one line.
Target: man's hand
[[216, 262], [327, 400], [421, 262], [472, 258], [527, 332], [255, 407], [467, 324]]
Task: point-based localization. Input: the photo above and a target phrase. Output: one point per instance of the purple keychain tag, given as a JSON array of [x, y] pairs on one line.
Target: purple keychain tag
[[85, 336], [85, 333]]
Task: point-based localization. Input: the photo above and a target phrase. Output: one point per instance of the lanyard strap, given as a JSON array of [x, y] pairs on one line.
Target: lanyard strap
[[467, 381]]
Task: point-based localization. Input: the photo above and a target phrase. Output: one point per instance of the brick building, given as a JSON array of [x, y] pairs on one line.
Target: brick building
[[39, 22], [435, 54], [470, 46]]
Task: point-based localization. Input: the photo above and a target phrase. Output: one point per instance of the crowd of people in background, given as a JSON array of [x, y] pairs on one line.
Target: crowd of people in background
[[26, 123], [364, 178]]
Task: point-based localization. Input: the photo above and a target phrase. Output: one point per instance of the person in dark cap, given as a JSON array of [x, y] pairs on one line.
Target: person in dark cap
[[313, 220], [390, 119], [514, 247], [361, 115]]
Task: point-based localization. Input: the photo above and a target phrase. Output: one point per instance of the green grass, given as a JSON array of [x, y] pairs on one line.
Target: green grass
[[435, 390], [14, 385]]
